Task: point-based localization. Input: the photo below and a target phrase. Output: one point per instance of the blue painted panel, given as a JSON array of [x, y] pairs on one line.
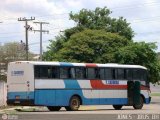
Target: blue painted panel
[[71, 84], [147, 101], [65, 64], [45, 97], [62, 97], [22, 95]]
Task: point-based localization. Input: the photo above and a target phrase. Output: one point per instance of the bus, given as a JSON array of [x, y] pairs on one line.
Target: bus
[[69, 85]]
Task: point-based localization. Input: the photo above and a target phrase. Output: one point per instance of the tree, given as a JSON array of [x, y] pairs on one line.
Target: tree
[[98, 38], [99, 19], [9, 52], [91, 46], [141, 53]]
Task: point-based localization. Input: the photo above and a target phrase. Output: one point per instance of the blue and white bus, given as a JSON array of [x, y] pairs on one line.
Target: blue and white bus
[[69, 85]]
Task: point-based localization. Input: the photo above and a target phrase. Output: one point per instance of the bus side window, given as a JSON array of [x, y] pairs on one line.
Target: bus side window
[[136, 74], [128, 74], [71, 72], [64, 74], [120, 74], [43, 72], [145, 75], [80, 72], [109, 74], [36, 71], [49, 72], [55, 72], [102, 73], [92, 73]]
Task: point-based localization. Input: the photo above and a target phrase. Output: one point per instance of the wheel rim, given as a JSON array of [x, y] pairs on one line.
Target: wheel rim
[[75, 103]]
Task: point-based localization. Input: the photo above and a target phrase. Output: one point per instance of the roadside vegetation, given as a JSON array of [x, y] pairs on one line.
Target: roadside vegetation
[[99, 38]]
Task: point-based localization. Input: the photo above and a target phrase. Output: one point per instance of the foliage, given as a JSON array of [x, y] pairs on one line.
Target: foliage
[[10, 52], [91, 46], [141, 53], [100, 19], [98, 38]]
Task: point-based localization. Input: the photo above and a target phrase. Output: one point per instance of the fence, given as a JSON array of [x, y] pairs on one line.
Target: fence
[[3, 93]]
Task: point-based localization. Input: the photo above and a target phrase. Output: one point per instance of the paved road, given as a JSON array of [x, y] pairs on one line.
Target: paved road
[[101, 112]]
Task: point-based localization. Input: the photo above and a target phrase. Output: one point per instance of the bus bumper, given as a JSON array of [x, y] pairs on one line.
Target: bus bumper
[[21, 102], [148, 100]]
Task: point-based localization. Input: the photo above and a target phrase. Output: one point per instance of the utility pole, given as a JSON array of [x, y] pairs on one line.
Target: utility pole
[[27, 27], [41, 31]]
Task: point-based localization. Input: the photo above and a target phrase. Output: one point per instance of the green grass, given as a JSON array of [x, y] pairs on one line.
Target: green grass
[[155, 94]]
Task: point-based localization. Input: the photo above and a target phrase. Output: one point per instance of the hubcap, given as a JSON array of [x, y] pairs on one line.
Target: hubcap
[[75, 103]]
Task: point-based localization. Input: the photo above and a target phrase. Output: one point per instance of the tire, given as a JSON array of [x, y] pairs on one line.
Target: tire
[[53, 108], [140, 105], [117, 107], [74, 104]]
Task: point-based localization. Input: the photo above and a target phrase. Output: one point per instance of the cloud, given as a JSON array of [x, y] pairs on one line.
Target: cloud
[[34, 7], [56, 12]]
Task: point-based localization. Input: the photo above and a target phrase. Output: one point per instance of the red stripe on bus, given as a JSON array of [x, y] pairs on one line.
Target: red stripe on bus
[[144, 88], [98, 84], [91, 65]]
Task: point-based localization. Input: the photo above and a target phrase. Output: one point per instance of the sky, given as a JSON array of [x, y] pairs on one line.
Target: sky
[[143, 16]]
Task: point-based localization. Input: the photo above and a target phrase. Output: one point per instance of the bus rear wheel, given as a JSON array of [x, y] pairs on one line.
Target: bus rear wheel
[[140, 105], [117, 107], [74, 104], [53, 108]]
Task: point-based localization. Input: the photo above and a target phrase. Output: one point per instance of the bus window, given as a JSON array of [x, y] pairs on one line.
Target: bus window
[[136, 74], [92, 73], [80, 72], [145, 75], [72, 73], [101, 73], [128, 74], [43, 72], [36, 72], [120, 74], [55, 72], [67, 72], [64, 72], [49, 72], [109, 73]]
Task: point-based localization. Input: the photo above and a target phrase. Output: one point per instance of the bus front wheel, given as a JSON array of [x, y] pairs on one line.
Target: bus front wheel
[[117, 107], [74, 104], [140, 105], [53, 108]]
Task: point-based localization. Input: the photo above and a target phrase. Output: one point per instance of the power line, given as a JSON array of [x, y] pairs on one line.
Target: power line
[[35, 43], [41, 31], [11, 32], [10, 36], [27, 27]]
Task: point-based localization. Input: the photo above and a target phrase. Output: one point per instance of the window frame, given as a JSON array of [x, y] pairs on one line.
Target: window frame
[[37, 75], [96, 77], [68, 72], [48, 66], [84, 78]]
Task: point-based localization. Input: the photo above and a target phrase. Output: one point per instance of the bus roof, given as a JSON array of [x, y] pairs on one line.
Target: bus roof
[[79, 64]]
